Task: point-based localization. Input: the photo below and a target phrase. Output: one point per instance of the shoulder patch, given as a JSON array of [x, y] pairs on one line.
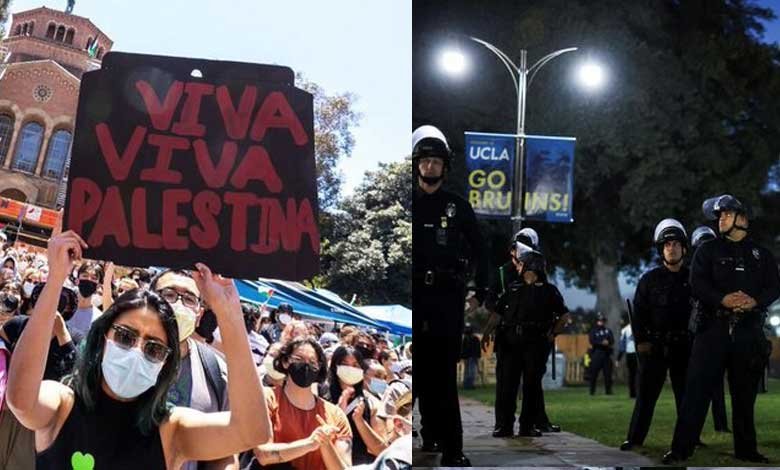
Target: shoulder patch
[[756, 253]]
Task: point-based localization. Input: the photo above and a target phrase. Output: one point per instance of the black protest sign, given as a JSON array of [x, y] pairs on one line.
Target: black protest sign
[[177, 160]]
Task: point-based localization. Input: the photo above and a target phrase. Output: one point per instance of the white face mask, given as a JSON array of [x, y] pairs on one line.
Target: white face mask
[[268, 365], [284, 318], [28, 288], [377, 386], [349, 375], [186, 319], [96, 301], [127, 372]]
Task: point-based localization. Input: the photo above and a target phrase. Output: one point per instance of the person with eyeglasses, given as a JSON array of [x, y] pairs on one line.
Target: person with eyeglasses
[[112, 411], [202, 379]]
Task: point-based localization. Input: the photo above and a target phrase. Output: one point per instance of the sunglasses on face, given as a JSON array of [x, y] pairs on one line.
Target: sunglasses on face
[[188, 299], [153, 350]]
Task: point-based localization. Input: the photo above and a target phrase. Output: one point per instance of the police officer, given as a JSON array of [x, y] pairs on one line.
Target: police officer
[[524, 240], [446, 239], [735, 280], [529, 310], [662, 309], [602, 343], [719, 418]]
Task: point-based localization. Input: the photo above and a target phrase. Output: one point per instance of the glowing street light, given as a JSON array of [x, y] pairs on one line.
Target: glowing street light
[[590, 75]]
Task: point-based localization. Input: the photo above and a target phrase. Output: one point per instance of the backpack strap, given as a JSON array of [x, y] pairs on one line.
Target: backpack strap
[[213, 373]]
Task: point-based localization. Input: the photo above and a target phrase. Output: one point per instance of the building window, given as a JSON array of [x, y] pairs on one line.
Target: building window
[[60, 34], [18, 30], [100, 53], [50, 31], [24, 29], [6, 133], [28, 147], [32, 27], [89, 42], [69, 36], [59, 147]]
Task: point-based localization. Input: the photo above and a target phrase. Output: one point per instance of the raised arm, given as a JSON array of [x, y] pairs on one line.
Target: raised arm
[[108, 279], [208, 436], [36, 405]]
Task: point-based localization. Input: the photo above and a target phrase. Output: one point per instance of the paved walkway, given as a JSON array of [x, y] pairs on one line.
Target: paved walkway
[[562, 449]]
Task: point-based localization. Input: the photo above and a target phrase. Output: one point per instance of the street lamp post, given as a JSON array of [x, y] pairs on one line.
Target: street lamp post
[[522, 76]]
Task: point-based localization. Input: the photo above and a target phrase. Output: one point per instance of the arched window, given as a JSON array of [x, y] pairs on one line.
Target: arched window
[[18, 30], [59, 146], [6, 133], [28, 147], [50, 31], [100, 53], [32, 26], [60, 33], [24, 29], [89, 42], [69, 36], [15, 194]]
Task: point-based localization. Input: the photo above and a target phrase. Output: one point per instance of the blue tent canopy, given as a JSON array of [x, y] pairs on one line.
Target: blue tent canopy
[[302, 302]]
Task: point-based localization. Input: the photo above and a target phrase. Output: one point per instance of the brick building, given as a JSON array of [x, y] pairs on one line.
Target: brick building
[[41, 63]]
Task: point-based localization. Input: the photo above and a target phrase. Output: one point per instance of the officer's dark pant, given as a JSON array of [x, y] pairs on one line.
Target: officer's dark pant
[[653, 367], [438, 329], [601, 361], [499, 404], [631, 362], [713, 349], [523, 357], [541, 415], [719, 418]]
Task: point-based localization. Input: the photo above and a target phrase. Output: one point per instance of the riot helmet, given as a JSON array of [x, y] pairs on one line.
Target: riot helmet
[[526, 237], [533, 261], [670, 230], [429, 142], [713, 207], [701, 235]]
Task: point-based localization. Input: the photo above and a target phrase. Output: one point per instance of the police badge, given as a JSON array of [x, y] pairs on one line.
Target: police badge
[[756, 253], [451, 210]]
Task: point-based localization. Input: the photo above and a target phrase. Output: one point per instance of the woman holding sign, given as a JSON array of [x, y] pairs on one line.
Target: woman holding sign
[[111, 413]]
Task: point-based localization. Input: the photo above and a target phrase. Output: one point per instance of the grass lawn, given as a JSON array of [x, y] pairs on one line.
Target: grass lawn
[[606, 418]]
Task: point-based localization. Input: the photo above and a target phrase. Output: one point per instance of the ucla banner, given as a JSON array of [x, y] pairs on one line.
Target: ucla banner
[[489, 163], [549, 178]]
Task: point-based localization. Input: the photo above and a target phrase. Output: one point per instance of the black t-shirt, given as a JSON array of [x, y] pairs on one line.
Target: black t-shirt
[[540, 304], [60, 360], [107, 436], [662, 303]]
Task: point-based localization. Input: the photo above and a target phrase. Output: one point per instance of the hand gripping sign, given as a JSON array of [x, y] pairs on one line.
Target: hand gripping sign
[[180, 160]]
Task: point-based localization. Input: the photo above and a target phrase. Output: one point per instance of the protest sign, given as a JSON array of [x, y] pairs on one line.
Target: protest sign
[[178, 160]]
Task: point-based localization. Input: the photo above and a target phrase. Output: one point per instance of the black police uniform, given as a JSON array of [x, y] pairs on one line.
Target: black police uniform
[[727, 339], [601, 358], [662, 309], [446, 235], [528, 313], [506, 276]]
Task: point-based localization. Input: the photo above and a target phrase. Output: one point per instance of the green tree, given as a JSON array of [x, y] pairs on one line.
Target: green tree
[[334, 119], [690, 111], [5, 8], [369, 253]]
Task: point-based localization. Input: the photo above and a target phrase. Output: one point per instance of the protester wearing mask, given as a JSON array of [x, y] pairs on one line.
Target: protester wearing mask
[[375, 379], [9, 268], [365, 344], [272, 377], [30, 279], [398, 455], [387, 359], [9, 301], [202, 380], [257, 343], [347, 390], [88, 277], [308, 432], [122, 379], [280, 317]]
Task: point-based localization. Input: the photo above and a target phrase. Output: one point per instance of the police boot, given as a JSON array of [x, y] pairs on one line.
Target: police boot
[[671, 458], [627, 445], [752, 457], [529, 432], [502, 432], [549, 427], [455, 460]]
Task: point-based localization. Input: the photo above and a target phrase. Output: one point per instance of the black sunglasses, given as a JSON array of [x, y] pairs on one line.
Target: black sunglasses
[[171, 295], [153, 350]]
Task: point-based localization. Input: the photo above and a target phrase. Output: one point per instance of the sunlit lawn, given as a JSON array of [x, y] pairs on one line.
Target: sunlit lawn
[[606, 418]]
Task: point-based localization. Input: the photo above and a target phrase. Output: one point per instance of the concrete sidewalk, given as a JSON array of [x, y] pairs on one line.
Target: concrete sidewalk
[[562, 449]]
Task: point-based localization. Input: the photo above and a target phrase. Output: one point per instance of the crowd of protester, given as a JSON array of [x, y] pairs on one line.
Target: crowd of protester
[[316, 395]]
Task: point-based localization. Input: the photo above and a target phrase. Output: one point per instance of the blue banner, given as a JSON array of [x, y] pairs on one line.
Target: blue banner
[[549, 179], [489, 164]]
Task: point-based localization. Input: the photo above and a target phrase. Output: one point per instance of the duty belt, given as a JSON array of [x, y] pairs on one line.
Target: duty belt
[[526, 327], [433, 276], [669, 336]]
